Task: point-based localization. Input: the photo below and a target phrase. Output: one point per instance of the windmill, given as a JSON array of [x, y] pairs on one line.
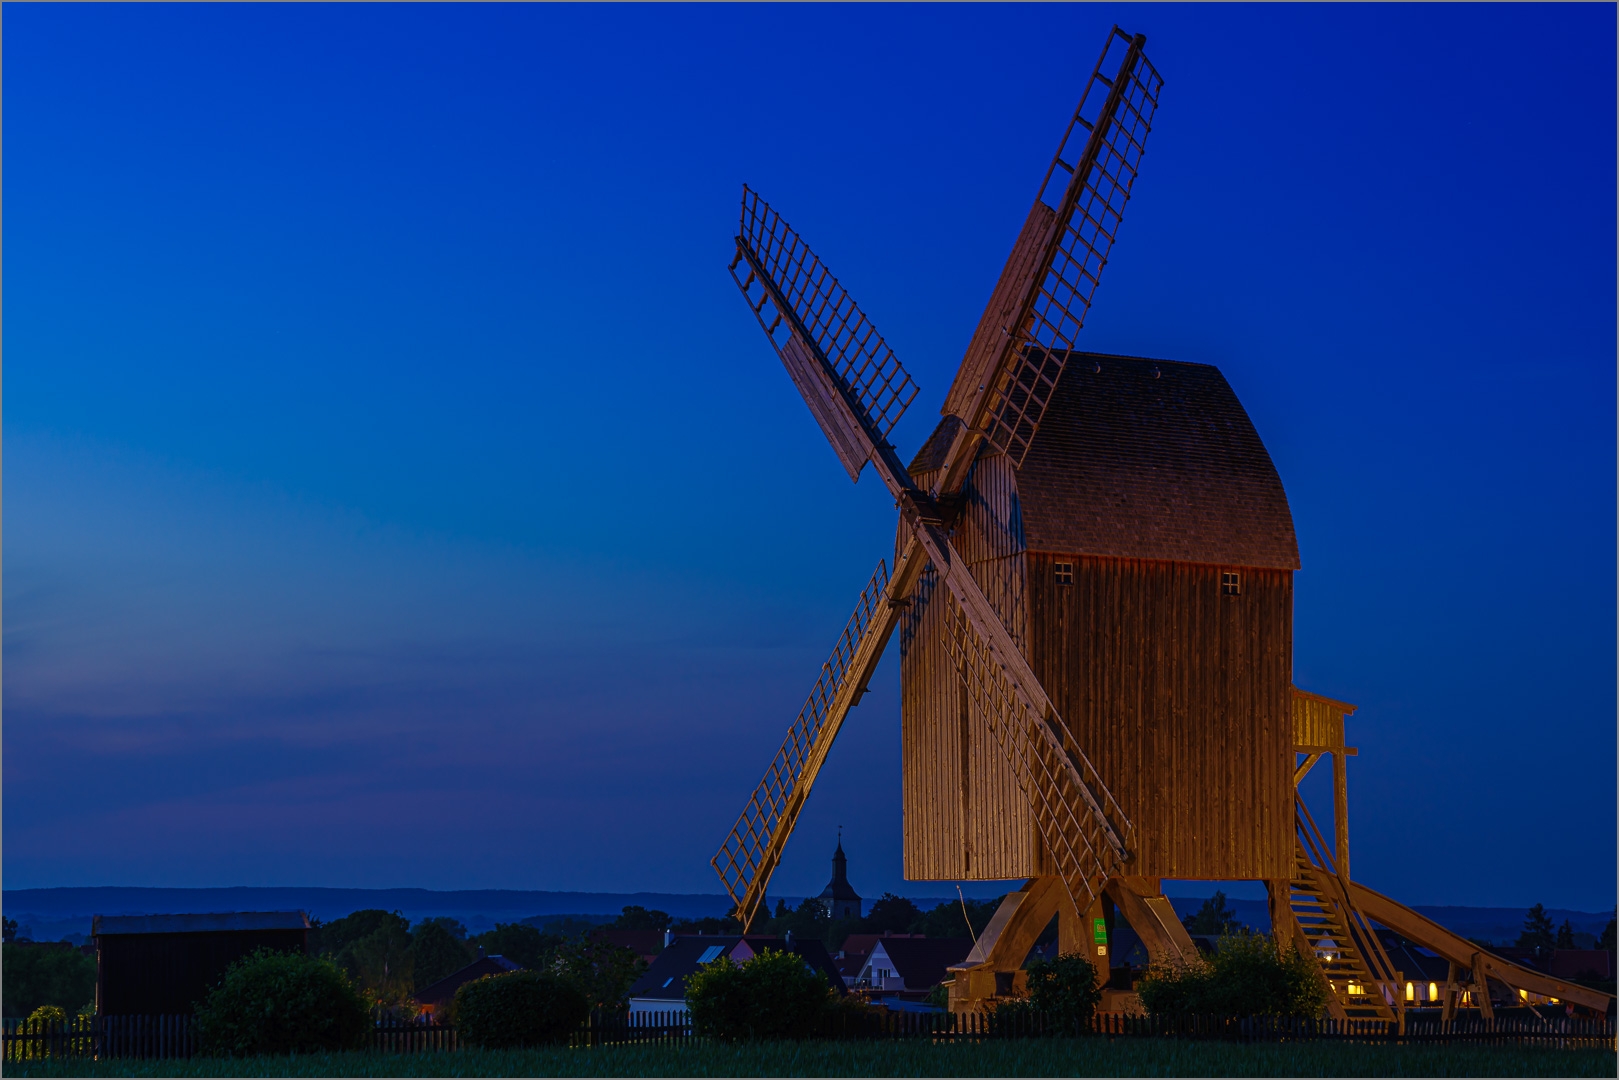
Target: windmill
[[1092, 584]]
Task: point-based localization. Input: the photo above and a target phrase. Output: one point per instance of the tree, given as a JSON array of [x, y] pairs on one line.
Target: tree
[[436, 950], [1213, 917], [521, 944], [281, 1003], [561, 926], [383, 965], [892, 914], [1537, 929], [809, 920], [1606, 941], [9, 928], [636, 917], [947, 920], [36, 975], [708, 925], [602, 971], [1565, 935], [330, 939]]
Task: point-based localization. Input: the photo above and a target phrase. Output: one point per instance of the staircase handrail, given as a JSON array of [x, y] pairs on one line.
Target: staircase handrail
[[1355, 922]]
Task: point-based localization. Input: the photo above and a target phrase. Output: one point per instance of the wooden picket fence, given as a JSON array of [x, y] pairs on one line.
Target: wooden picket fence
[[99, 1037], [174, 1037]]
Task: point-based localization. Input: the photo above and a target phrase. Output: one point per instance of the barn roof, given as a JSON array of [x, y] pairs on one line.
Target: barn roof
[[198, 924], [1147, 459]]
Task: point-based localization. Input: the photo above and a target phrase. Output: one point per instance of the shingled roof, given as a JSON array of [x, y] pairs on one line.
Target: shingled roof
[[1147, 459]]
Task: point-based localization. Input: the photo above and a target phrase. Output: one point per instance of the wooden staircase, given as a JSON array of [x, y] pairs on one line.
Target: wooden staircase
[[1362, 980]]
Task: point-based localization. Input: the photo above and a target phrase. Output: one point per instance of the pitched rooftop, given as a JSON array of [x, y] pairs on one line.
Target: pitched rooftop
[[1147, 459]]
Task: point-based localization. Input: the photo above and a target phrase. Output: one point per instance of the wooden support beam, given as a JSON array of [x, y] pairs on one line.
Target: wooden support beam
[[1340, 815], [1091, 925], [1481, 985], [1457, 949], [1304, 768], [1153, 918], [1449, 1012], [992, 968]]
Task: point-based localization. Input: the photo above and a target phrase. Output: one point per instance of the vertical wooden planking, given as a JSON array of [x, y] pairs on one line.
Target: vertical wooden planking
[[1181, 697], [965, 815]]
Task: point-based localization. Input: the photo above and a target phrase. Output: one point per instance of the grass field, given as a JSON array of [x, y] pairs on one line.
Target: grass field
[[1028, 1057]]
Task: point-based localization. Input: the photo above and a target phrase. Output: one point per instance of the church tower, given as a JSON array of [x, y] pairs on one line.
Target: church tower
[[839, 897]]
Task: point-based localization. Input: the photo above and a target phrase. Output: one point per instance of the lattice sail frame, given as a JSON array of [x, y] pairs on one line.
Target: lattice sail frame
[[857, 390], [1087, 185], [833, 322], [755, 842], [1068, 813]]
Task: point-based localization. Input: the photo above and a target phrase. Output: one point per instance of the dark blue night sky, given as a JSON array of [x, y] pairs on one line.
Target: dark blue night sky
[[398, 493]]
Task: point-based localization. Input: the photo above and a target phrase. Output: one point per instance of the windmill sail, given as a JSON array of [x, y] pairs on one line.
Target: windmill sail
[[846, 372], [1084, 830], [1044, 293], [750, 853]]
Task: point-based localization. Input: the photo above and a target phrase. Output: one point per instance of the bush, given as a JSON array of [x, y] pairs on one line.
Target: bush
[[35, 975], [281, 1003], [1247, 976], [774, 995], [1065, 990], [519, 1008]]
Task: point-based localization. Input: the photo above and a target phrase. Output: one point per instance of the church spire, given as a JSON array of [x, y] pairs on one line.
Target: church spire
[[839, 897]]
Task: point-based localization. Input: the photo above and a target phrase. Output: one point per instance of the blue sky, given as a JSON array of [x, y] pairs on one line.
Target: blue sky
[[399, 494]]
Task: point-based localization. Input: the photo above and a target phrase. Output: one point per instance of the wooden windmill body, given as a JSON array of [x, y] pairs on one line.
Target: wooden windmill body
[[1142, 557], [1093, 588]]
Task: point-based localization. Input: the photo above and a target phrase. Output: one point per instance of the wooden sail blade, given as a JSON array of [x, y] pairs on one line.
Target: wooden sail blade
[[751, 852], [1083, 845], [852, 381], [1039, 305], [1085, 830]]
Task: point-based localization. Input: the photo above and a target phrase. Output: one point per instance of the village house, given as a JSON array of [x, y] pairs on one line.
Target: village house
[[435, 998], [662, 987], [911, 965]]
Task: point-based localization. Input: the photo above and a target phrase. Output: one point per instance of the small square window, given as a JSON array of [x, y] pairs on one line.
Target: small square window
[[1065, 573], [1230, 583]]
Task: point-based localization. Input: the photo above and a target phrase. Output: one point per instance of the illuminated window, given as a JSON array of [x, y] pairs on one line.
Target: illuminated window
[[1433, 991], [1230, 583], [1410, 992], [1065, 573]]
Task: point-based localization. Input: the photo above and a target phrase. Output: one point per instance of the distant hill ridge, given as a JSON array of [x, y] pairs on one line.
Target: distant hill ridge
[[52, 914]]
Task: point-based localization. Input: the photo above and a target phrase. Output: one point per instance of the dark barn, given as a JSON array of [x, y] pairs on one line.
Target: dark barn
[[162, 965]]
